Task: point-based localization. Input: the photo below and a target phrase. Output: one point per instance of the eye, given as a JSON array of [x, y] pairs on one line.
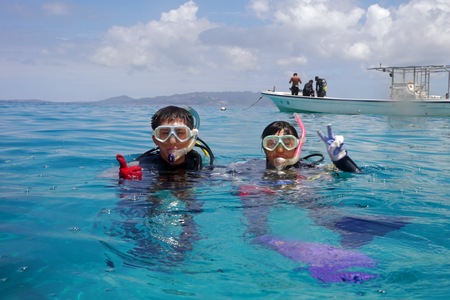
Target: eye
[[181, 133], [164, 132], [288, 142], [271, 143]]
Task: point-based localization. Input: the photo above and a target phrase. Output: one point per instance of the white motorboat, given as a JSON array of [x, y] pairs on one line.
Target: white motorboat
[[410, 96]]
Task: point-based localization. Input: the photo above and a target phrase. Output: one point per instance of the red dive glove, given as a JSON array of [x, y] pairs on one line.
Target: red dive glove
[[125, 172]]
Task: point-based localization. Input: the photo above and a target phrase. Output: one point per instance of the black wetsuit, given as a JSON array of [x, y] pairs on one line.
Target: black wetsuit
[[157, 213], [152, 160], [308, 89], [345, 164], [261, 192]]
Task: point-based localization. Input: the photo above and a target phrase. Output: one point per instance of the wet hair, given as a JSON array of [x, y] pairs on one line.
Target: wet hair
[[170, 113], [277, 126]]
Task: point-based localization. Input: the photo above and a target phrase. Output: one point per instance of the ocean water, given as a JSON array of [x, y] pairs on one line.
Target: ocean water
[[69, 229]]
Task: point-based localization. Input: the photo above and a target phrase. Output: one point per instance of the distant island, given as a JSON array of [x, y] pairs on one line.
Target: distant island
[[195, 98]]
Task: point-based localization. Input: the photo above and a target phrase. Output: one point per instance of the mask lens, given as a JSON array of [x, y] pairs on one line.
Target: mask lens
[[289, 141], [271, 142], [181, 133]]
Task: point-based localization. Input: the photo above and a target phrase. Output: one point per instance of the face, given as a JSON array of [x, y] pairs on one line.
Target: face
[[279, 151], [172, 142]]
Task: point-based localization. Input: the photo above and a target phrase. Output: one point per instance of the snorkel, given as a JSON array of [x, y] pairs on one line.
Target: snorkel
[[174, 155], [281, 163]]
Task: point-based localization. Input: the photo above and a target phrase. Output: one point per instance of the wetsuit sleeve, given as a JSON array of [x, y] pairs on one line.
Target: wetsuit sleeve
[[336, 151], [346, 164]]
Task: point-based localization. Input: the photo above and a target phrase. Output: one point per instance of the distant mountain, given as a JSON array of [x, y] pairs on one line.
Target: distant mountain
[[36, 101], [196, 98]]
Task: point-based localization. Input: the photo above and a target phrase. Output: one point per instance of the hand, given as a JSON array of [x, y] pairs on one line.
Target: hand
[[335, 144], [125, 172]]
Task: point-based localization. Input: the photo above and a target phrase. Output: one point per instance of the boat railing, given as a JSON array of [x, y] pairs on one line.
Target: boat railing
[[413, 82]]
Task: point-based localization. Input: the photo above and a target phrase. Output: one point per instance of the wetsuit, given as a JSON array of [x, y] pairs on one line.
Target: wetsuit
[[151, 160], [158, 213], [308, 89]]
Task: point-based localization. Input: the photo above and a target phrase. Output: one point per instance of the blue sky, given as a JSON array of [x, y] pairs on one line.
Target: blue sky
[[91, 50]]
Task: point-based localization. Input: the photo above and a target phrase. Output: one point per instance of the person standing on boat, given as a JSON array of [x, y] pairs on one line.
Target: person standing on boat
[[308, 89], [321, 87], [295, 80]]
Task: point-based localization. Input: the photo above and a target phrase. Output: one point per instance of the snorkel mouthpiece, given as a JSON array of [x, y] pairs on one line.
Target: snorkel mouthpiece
[[281, 163], [178, 153]]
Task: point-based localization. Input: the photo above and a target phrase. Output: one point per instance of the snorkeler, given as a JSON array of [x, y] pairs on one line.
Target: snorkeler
[[281, 182], [283, 146], [175, 134], [158, 212]]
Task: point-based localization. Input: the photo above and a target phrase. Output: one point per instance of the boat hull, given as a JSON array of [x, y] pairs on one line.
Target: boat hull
[[289, 103]]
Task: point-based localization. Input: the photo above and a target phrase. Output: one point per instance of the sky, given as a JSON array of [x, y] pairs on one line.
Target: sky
[[87, 50]]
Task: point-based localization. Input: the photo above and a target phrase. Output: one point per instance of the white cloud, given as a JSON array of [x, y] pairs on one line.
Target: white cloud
[[321, 15], [260, 8], [172, 41], [378, 21], [292, 61], [358, 51], [241, 59]]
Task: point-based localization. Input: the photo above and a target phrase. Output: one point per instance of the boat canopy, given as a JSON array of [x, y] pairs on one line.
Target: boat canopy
[[413, 82]]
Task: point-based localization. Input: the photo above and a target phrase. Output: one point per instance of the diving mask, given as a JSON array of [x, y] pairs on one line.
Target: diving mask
[[271, 142], [181, 132]]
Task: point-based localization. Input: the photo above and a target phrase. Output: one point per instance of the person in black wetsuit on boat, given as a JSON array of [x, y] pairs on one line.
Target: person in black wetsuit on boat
[[308, 89]]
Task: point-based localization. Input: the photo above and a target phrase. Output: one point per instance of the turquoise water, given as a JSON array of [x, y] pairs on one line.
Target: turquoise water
[[62, 221]]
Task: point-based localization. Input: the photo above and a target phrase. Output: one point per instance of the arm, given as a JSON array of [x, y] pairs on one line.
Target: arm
[[336, 151]]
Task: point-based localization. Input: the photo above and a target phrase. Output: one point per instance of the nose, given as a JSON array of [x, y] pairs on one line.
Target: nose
[[280, 148], [172, 139]]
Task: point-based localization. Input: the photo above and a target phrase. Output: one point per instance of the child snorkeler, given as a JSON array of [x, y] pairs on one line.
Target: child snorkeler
[[175, 134], [283, 146]]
